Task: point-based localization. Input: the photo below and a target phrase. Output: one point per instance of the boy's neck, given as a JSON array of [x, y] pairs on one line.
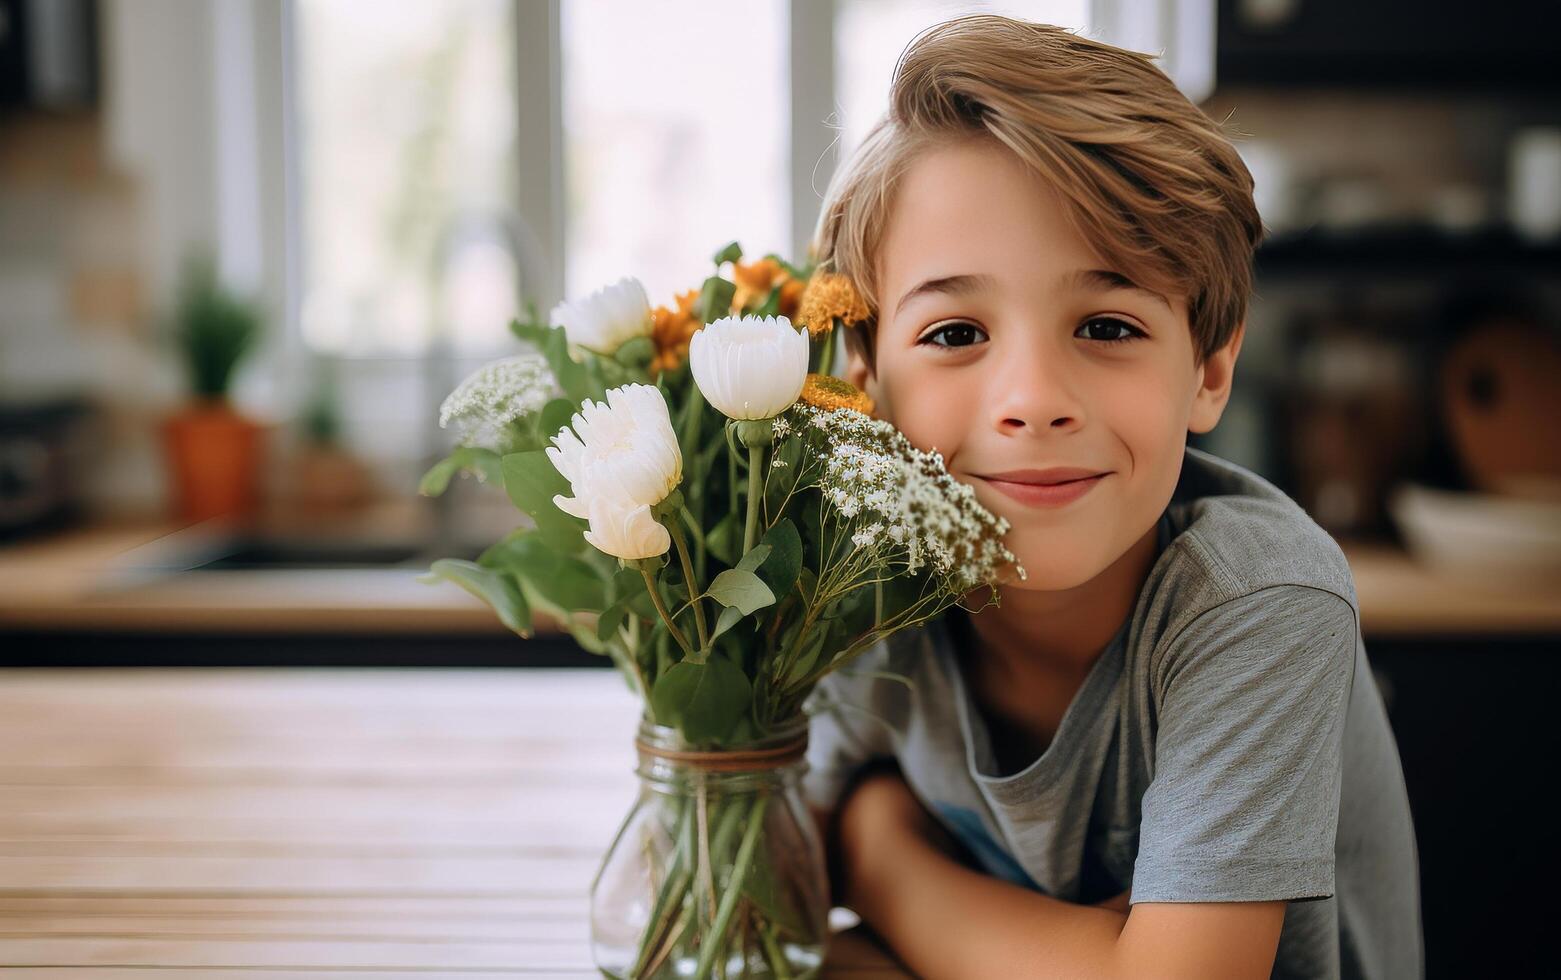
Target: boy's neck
[[1062, 632]]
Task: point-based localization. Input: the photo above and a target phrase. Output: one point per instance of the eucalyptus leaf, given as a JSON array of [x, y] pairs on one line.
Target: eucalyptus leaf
[[497, 588], [753, 559], [808, 659], [724, 539], [784, 562], [742, 589], [484, 463], [728, 618], [702, 700], [715, 299], [531, 481], [555, 415]]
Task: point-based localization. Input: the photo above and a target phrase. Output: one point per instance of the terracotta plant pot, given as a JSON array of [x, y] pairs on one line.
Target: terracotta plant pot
[[214, 461]]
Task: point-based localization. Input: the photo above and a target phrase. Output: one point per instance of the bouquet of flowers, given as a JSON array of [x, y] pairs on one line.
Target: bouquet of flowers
[[714, 511]]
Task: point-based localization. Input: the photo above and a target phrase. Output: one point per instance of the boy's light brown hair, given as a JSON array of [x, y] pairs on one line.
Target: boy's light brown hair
[[1147, 178]]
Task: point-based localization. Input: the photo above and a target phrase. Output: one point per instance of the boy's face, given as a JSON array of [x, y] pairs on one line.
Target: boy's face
[[1028, 369]]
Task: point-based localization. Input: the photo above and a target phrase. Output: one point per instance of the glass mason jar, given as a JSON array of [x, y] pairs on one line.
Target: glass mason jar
[[718, 870]]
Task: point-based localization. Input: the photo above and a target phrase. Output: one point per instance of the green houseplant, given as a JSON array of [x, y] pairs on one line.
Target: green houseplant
[[213, 451]]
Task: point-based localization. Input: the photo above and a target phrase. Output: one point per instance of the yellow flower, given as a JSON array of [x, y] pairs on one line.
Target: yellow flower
[[754, 281], [828, 297], [829, 392], [671, 330]]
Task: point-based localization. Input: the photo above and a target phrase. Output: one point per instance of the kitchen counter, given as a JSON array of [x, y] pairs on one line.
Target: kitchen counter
[[63, 582]]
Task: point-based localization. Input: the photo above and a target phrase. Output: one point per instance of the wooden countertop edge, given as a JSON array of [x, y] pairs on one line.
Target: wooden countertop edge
[[60, 584]]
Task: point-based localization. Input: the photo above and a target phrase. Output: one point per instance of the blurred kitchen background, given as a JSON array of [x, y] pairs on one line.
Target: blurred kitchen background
[[375, 189]]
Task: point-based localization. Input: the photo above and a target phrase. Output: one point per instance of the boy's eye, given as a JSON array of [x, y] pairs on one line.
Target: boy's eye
[[957, 333], [1118, 331]]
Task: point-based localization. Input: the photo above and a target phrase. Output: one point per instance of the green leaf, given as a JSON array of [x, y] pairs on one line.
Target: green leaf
[[555, 415], [531, 481], [753, 559], [703, 700], [636, 352], [484, 463], [809, 656], [784, 563], [531, 332], [724, 539], [728, 618], [807, 584], [742, 589], [611, 618], [492, 586], [562, 581], [715, 299], [730, 252]]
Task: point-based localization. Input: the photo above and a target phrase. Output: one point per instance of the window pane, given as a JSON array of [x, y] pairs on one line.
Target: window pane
[[871, 34], [406, 119], [675, 138]]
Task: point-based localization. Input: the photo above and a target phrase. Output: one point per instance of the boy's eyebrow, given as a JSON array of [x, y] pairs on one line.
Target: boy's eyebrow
[[1098, 280], [960, 285], [1102, 280]]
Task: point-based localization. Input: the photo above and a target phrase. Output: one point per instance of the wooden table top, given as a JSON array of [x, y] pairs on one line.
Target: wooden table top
[[311, 823]]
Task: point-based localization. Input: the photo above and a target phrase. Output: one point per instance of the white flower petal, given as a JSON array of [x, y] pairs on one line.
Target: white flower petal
[[750, 367], [607, 318], [626, 531]]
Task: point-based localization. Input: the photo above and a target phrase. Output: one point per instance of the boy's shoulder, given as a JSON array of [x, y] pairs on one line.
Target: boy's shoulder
[[1232, 533]]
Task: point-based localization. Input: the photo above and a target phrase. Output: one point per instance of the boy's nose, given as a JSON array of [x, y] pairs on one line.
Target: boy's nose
[[1034, 393]]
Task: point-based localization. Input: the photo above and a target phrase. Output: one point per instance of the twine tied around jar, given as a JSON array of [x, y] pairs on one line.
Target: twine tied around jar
[[737, 760]]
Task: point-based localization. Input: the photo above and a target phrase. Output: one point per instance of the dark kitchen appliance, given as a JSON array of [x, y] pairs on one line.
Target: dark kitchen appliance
[[41, 450]]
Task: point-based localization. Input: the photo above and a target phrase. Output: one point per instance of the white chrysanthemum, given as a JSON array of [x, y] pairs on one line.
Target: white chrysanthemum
[[483, 406], [750, 367], [602, 321], [622, 449], [625, 530]]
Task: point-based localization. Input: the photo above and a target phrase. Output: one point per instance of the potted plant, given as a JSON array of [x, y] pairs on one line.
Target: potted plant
[[213, 451]]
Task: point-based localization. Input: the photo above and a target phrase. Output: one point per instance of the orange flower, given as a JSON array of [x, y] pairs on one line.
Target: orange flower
[[828, 297], [754, 281], [829, 392], [671, 330]]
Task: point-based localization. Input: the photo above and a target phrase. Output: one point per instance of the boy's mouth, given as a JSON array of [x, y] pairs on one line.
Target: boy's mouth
[[1045, 488], [1048, 477]]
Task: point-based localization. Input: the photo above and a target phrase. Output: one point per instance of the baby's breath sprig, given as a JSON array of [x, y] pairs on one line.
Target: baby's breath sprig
[[887, 511], [485, 407]]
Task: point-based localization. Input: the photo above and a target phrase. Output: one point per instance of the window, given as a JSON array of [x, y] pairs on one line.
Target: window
[[676, 122], [406, 128], [871, 34]]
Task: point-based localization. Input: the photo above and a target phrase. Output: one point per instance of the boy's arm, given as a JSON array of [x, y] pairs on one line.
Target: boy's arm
[[944, 919]]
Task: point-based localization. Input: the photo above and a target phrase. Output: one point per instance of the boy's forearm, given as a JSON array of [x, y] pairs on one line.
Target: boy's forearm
[[1003, 929]]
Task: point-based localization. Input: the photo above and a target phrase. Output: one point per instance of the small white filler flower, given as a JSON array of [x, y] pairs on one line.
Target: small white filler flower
[[750, 367], [621, 456], [604, 320]]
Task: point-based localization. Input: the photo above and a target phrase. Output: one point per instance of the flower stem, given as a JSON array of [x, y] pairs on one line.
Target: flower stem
[[826, 361], [734, 887], [691, 582], [755, 488], [672, 628]]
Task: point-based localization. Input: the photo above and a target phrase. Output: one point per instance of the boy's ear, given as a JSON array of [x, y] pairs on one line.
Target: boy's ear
[[857, 373], [1215, 377]]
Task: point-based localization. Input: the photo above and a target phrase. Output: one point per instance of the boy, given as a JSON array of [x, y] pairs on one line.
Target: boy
[[1164, 754]]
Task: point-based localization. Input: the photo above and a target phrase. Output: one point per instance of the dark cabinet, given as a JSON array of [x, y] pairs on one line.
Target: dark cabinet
[[1448, 45]]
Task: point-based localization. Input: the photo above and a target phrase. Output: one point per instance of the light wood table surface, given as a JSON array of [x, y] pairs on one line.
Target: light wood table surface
[[314, 823]]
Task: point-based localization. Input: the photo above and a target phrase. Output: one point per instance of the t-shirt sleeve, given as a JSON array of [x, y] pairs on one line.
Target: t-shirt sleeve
[[843, 735], [1244, 800]]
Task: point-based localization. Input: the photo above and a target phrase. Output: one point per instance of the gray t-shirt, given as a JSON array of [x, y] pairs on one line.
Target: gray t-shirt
[[1229, 744]]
